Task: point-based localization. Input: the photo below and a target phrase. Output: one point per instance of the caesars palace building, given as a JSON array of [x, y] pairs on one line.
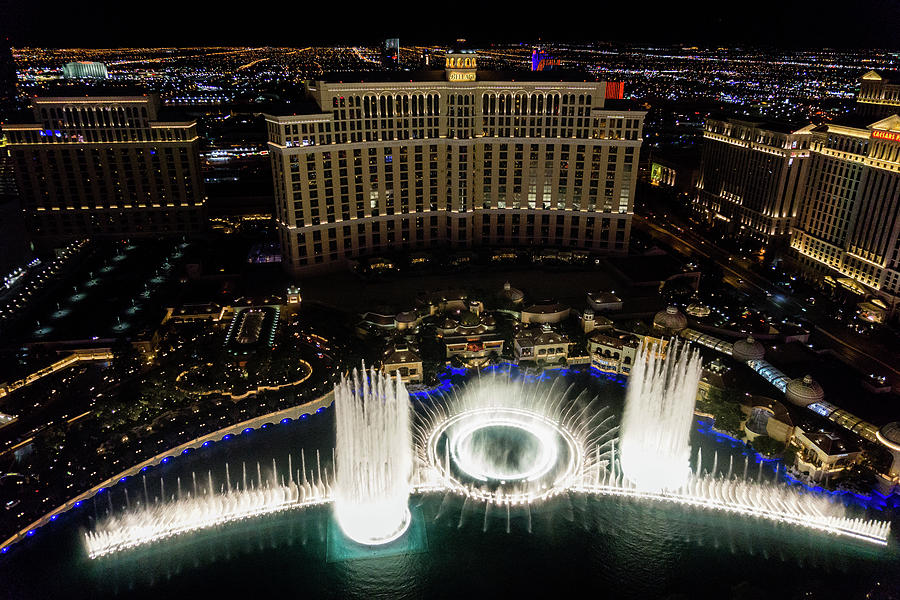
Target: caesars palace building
[[453, 158]]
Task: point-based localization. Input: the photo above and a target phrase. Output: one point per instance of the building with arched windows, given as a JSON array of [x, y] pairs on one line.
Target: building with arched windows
[[457, 158], [830, 191], [106, 165]]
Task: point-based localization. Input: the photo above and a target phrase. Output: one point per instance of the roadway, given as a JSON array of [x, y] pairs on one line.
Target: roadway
[[690, 244]]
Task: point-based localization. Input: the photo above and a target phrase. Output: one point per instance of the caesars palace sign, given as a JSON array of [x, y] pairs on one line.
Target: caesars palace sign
[[891, 136]]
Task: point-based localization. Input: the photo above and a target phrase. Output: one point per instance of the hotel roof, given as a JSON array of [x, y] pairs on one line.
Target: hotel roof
[[565, 76]]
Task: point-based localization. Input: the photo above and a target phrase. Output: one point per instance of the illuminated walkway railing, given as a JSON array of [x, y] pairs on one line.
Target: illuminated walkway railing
[[74, 358]]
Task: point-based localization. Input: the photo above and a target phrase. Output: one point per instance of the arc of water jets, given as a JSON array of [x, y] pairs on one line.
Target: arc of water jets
[[600, 472]]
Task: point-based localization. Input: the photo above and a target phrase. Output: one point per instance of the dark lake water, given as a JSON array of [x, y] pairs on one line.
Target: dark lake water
[[576, 545]]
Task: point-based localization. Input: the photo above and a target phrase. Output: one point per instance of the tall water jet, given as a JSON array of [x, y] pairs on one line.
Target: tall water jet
[[659, 406], [373, 457]]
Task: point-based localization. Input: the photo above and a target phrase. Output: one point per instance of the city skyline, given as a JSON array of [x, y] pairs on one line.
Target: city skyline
[[284, 289], [830, 24]]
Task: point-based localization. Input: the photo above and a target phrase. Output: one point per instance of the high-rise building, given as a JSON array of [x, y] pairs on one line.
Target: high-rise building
[[84, 70], [107, 165], [458, 158], [750, 177], [879, 95], [8, 100], [390, 54], [848, 228], [7, 177], [834, 190], [8, 81]]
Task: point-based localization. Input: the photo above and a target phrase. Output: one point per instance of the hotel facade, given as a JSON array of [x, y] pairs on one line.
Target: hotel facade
[[848, 227], [751, 178], [879, 95], [455, 159], [106, 166], [832, 192]]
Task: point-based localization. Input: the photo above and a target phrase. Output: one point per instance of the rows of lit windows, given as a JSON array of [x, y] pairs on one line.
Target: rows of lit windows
[[329, 243], [399, 178]]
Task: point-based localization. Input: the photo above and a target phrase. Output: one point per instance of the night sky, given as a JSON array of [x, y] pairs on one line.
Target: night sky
[[781, 23]]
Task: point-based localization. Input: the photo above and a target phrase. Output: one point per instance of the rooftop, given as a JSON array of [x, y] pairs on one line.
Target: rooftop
[[546, 307], [831, 443], [440, 75], [103, 89], [775, 126]]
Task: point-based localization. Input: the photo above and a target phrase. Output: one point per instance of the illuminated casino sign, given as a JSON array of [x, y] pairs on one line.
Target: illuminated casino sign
[[461, 67], [891, 136]]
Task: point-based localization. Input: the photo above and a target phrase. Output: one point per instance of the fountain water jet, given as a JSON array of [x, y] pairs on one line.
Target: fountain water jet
[[659, 408], [373, 457], [377, 473]]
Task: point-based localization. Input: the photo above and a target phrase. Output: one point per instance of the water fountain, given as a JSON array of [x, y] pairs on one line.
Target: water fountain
[[208, 505], [40, 330], [659, 409], [60, 311], [373, 457], [511, 440], [121, 325], [500, 442]]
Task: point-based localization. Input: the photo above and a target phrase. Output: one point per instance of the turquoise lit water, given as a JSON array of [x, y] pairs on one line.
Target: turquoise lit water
[[598, 547]]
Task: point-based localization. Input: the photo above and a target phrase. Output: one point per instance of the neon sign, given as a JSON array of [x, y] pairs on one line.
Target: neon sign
[[891, 136]]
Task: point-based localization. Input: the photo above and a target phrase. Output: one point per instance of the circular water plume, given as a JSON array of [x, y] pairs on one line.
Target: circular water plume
[[504, 440], [502, 451], [503, 447]]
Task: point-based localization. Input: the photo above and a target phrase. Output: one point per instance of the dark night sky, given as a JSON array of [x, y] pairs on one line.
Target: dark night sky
[[782, 23]]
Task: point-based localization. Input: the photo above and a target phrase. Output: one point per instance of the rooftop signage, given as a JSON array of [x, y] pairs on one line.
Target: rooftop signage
[[461, 67], [891, 136]]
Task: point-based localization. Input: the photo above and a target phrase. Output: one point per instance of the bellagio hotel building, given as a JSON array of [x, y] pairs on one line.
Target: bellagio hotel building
[[452, 158]]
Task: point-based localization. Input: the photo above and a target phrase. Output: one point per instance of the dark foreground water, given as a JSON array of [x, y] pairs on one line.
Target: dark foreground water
[[576, 545]]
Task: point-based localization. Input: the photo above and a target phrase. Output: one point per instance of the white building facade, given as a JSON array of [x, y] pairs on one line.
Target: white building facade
[[453, 160]]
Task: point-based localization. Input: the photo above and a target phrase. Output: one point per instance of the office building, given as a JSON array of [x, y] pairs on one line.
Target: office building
[[84, 70], [750, 177], [456, 158], [106, 165]]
